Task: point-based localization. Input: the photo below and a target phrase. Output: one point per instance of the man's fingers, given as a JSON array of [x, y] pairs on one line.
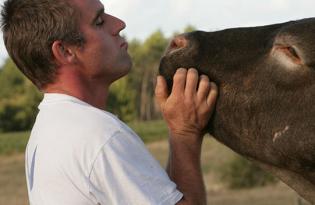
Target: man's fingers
[[211, 99], [161, 92], [179, 81], [191, 82], [204, 87]]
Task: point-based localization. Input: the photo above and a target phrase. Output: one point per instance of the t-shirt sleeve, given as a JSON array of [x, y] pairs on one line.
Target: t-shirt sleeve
[[124, 172]]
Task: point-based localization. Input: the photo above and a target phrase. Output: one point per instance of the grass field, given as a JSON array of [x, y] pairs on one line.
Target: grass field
[[15, 142], [13, 188]]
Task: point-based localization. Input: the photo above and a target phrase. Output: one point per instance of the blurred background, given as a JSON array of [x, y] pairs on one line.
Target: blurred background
[[229, 178]]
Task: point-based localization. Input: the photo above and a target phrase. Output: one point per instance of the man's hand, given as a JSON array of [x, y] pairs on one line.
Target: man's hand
[[187, 111], [188, 108]]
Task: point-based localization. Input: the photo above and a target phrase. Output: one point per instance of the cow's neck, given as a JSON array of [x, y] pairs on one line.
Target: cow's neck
[[302, 186]]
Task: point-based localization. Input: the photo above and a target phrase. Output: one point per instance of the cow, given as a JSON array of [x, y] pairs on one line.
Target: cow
[[266, 105]]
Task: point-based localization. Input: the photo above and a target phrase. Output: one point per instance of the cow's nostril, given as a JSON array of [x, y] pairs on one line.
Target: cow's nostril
[[178, 42]]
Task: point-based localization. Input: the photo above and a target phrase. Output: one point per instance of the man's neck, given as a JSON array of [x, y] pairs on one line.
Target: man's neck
[[96, 98], [92, 92]]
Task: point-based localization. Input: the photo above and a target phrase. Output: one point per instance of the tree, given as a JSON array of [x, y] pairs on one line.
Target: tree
[[152, 51], [18, 99], [121, 100], [189, 28]]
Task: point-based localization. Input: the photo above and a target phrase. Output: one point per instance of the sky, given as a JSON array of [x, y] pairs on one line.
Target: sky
[[143, 17]]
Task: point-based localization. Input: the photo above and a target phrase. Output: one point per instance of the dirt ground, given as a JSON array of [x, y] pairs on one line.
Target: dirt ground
[[13, 188]]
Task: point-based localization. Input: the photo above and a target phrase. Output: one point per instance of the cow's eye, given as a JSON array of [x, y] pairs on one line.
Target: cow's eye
[[291, 53]]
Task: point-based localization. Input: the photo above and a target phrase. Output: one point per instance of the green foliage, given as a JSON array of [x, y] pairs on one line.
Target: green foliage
[[241, 173], [11, 80], [121, 100], [154, 47], [18, 100], [189, 28], [144, 73]]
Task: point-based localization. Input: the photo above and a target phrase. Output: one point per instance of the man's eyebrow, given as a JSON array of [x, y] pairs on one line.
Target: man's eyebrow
[[98, 14]]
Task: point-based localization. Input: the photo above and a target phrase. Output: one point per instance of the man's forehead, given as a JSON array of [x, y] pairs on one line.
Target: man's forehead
[[87, 5]]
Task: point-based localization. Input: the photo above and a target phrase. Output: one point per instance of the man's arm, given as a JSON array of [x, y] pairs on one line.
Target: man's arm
[[187, 111]]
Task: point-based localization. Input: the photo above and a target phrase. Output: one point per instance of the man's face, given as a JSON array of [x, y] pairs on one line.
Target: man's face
[[104, 55]]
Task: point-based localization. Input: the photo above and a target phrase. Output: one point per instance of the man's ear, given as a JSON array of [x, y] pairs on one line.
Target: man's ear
[[63, 54]]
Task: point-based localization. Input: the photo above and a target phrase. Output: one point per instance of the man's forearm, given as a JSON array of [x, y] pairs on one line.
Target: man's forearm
[[187, 110], [184, 168]]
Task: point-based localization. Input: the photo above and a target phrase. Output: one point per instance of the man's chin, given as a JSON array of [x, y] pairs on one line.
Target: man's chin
[[129, 65], [124, 70]]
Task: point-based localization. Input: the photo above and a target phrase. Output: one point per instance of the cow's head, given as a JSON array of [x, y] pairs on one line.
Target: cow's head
[[266, 78]]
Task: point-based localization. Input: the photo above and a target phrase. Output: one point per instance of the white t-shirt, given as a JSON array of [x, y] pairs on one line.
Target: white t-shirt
[[80, 155]]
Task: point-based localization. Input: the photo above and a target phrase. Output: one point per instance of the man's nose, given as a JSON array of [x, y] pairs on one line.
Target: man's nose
[[117, 25]]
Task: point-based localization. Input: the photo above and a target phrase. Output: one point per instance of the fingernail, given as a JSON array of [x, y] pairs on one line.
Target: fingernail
[[205, 77], [181, 69], [158, 80]]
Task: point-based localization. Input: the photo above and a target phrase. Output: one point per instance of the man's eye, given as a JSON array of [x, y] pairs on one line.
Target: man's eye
[[99, 21]]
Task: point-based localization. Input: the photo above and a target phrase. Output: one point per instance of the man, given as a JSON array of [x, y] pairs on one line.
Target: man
[[79, 154]]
